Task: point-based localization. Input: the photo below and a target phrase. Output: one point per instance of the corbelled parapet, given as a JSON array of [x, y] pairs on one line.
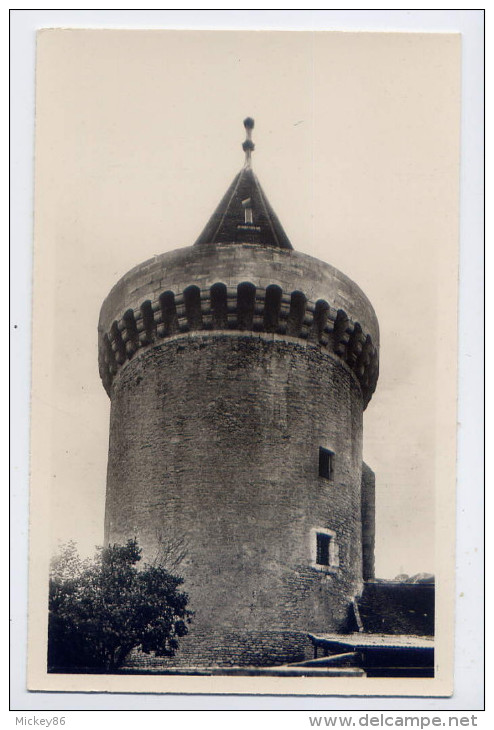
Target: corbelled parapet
[[264, 291]]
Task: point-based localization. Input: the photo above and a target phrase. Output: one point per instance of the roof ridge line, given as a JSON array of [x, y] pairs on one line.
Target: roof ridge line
[[266, 210], [239, 177]]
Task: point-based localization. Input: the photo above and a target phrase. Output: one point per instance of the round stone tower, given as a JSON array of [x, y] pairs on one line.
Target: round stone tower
[[238, 372]]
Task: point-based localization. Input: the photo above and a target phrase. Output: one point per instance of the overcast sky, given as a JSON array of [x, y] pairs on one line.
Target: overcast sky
[[138, 136]]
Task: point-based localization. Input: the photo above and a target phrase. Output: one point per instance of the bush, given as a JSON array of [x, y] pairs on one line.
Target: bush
[[100, 610]]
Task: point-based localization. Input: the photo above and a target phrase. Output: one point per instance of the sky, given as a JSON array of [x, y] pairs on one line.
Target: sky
[[138, 135]]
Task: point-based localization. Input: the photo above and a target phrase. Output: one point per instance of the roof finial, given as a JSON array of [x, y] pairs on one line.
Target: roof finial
[[248, 146]]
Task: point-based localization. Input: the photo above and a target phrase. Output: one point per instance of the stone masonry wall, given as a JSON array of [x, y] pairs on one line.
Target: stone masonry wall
[[388, 607], [214, 445]]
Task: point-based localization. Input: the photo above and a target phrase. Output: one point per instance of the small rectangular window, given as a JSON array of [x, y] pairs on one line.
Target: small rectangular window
[[326, 464], [323, 549], [325, 552]]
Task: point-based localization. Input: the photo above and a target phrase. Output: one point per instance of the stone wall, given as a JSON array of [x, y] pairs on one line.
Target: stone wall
[[388, 607], [215, 439], [231, 648]]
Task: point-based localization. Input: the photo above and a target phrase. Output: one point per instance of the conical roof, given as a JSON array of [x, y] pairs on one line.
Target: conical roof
[[244, 214]]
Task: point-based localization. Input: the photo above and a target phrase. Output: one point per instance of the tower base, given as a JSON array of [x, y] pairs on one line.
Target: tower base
[[230, 649]]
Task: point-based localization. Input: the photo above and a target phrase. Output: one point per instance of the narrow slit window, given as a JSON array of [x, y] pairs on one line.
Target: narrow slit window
[[326, 464], [247, 206]]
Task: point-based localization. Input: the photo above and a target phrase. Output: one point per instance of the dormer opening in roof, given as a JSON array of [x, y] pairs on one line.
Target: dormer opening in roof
[[247, 206], [244, 215]]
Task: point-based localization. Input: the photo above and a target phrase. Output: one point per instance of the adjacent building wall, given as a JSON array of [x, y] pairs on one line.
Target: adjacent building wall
[[390, 607], [368, 521]]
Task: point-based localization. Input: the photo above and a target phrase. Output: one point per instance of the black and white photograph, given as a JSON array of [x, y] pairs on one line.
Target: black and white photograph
[[243, 438]]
